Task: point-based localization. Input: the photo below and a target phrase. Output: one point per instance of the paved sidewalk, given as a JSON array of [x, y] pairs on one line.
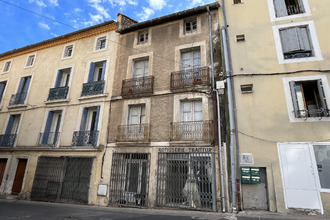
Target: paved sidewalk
[[30, 210]]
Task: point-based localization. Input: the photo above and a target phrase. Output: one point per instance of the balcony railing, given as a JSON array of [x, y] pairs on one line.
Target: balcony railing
[[138, 86], [7, 140], [18, 98], [58, 93], [85, 138], [192, 131], [294, 9], [189, 78], [132, 133], [93, 88], [313, 113], [48, 139]]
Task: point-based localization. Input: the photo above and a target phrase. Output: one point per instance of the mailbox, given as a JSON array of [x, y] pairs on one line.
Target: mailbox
[[250, 175]]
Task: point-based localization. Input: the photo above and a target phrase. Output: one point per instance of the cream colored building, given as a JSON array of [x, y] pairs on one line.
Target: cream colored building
[[280, 55], [54, 110]]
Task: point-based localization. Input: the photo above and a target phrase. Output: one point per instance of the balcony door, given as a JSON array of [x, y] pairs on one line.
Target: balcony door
[[190, 59], [192, 118], [52, 128], [136, 117], [141, 68]]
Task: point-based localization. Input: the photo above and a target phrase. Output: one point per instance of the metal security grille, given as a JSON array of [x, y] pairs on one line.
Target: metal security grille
[[186, 180], [129, 180], [62, 179]]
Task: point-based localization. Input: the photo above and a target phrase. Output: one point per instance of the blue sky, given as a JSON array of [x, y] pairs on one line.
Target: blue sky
[[25, 22]]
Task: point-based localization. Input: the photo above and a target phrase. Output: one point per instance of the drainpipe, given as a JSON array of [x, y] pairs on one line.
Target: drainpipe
[[231, 103], [218, 116]]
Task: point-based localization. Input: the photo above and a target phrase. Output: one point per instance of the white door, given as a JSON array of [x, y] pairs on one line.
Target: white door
[[299, 179]]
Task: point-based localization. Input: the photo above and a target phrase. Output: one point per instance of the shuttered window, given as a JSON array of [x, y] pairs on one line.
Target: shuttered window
[[97, 71], [101, 43], [141, 68], [308, 98], [288, 7], [6, 68], [30, 60], [136, 114], [68, 51], [295, 42], [191, 59], [192, 111], [2, 89]]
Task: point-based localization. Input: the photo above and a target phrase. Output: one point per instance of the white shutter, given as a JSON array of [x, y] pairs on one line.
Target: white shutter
[[303, 38], [187, 111], [186, 60], [134, 115], [294, 98], [197, 59], [141, 68], [280, 8], [289, 40], [301, 6], [198, 111], [323, 99]]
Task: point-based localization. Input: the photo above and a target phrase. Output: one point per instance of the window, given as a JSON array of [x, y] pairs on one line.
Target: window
[[68, 51], [52, 128], [2, 89], [8, 139], [96, 71], [240, 38], [143, 37], [136, 114], [6, 67], [30, 60], [322, 157], [308, 98], [63, 77], [296, 42], [237, 1], [288, 7], [192, 110], [190, 25], [190, 59], [247, 88], [140, 68], [101, 43], [20, 96]]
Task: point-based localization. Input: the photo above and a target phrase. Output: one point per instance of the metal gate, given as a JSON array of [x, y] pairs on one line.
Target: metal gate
[[129, 181], [186, 180], [62, 179]]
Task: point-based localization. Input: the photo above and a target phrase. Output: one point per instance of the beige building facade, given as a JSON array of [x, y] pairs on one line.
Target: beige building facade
[[55, 99], [280, 73], [161, 150]]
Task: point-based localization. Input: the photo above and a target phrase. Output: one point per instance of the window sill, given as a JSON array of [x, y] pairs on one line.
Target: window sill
[[310, 119], [17, 106], [93, 96], [66, 58], [57, 101]]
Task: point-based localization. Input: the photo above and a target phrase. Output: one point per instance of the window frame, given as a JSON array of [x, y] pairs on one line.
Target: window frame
[[98, 39], [5, 65], [289, 101], [5, 82], [65, 51], [272, 12], [146, 37], [28, 63], [134, 67], [190, 21], [313, 39]]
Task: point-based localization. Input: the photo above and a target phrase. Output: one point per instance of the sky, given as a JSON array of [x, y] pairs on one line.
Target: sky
[[25, 22]]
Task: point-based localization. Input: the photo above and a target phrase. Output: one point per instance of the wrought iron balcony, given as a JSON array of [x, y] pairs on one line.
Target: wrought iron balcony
[[48, 139], [58, 93], [189, 78], [85, 138], [93, 88], [18, 98], [138, 86], [294, 9], [192, 131], [132, 133], [7, 140], [317, 113]]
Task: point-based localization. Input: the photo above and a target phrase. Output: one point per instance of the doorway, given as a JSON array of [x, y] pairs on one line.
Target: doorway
[[19, 176]]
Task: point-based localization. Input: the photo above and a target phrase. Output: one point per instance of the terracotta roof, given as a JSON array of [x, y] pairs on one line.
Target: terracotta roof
[[170, 17]]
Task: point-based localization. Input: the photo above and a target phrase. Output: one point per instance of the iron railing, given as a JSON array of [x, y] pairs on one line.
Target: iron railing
[[186, 180], [93, 88], [313, 113], [58, 93], [18, 98], [192, 131], [191, 77], [85, 138], [138, 86], [7, 140], [129, 179], [131, 133], [48, 139]]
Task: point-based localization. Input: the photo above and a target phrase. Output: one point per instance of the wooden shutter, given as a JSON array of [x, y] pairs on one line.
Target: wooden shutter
[[59, 78], [197, 59], [322, 96], [134, 115], [294, 99], [303, 38], [301, 6], [289, 40], [10, 124], [47, 127], [186, 60], [91, 72], [97, 118], [83, 119], [187, 111], [198, 111], [2, 89], [280, 8], [141, 68]]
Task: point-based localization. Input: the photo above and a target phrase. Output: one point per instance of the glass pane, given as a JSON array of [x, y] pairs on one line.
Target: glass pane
[[322, 157]]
